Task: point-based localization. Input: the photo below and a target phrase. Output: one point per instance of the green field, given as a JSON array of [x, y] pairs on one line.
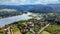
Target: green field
[[28, 33], [53, 29], [45, 32]]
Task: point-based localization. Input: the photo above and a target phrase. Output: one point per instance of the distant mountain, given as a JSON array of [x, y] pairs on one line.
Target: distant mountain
[[18, 7], [56, 7], [34, 8]]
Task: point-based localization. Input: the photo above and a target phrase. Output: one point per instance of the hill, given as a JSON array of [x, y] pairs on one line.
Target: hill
[[55, 8]]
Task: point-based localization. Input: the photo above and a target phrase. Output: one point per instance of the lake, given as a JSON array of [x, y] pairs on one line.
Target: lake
[[9, 20]]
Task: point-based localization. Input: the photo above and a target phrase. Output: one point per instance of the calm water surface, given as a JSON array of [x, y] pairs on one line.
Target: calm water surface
[[9, 20]]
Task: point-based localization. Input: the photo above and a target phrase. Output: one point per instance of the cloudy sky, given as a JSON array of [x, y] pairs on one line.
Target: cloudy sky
[[27, 2]]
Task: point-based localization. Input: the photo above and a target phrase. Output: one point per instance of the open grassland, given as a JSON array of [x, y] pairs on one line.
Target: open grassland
[[53, 29], [45, 32]]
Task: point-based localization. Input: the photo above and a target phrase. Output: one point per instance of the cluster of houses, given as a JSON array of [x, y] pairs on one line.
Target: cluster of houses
[[30, 25]]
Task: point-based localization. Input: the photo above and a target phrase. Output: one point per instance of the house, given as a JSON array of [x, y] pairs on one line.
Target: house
[[23, 30], [37, 18], [30, 24], [15, 25], [45, 23]]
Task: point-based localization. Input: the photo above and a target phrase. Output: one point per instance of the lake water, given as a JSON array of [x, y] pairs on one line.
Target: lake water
[[9, 20]]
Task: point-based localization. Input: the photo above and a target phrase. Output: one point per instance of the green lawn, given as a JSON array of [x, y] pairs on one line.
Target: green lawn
[[45, 32], [14, 30], [53, 29], [28, 33]]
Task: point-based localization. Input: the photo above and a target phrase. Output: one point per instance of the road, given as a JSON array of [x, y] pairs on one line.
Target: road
[[43, 28]]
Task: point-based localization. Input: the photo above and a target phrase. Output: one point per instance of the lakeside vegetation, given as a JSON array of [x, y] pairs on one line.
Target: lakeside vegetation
[[4, 13]]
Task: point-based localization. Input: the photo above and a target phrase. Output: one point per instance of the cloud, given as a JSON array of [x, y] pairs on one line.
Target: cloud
[[47, 1], [16, 2], [24, 2]]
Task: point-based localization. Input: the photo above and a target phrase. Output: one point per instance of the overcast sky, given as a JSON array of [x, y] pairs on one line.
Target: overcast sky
[[27, 2]]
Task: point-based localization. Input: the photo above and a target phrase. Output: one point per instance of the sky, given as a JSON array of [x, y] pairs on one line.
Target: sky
[[28, 2]]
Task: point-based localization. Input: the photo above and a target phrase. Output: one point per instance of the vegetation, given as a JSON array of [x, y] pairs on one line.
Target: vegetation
[[53, 29], [28, 33], [10, 12], [45, 32], [15, 30]]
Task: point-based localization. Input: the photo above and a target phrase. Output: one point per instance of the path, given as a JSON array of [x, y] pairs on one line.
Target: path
[[43, 28], [31, 30]]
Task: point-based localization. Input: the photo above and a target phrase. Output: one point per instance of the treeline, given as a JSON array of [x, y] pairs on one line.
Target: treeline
[[4, 14]]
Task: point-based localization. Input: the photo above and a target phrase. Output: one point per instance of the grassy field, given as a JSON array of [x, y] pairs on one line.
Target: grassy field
[[45, 32], [53, 29], [16, 31], [28, 33]]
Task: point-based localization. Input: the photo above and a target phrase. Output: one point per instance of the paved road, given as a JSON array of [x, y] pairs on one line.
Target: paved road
[[31, 30]]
